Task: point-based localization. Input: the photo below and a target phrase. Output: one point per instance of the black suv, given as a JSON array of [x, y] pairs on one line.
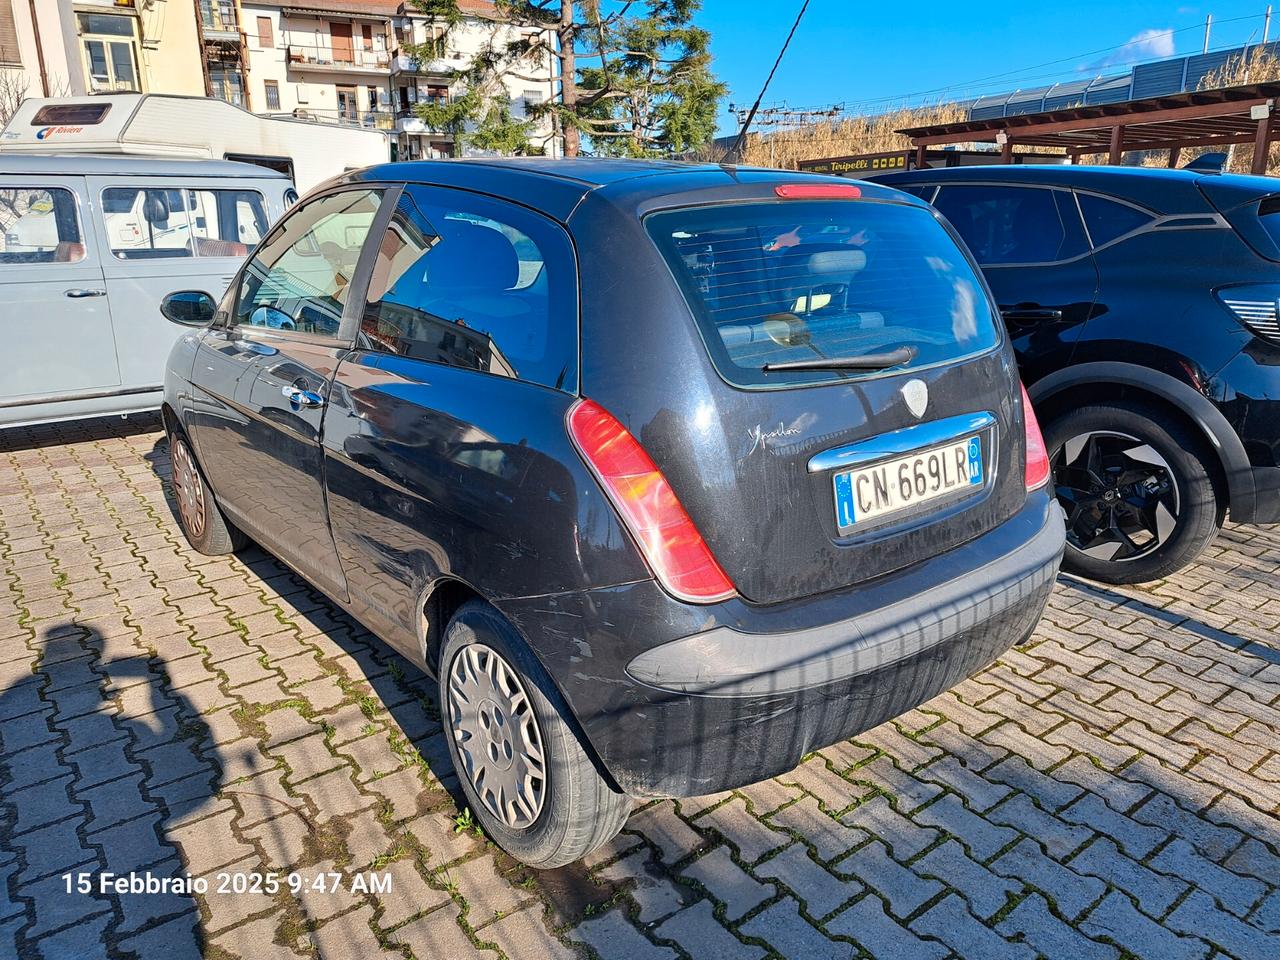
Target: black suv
[[1143, 309], [671, 474]]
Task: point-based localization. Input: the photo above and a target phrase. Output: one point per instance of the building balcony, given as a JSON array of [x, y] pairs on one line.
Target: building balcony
[[342, 59], [439, 66], [219, 24], [368, 119]]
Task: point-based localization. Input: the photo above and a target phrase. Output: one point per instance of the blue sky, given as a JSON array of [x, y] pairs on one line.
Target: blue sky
[[864, 51]]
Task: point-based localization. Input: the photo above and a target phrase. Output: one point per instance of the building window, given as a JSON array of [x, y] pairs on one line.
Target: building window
[[9, 53], [108, 46], [273, 94], [227, 83], [265, 39]]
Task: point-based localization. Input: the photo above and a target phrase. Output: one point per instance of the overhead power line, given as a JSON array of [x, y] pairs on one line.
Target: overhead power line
[[746, 124]]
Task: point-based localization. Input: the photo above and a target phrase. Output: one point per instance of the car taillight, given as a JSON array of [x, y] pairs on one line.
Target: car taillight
[[1036, 474], [1257, 306], [671, 544]]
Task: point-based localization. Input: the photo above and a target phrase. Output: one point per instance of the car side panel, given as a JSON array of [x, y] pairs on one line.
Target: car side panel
[[438, 472]]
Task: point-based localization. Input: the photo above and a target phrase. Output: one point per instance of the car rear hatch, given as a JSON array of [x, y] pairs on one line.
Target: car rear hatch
[[804, 480], [1251, 205]]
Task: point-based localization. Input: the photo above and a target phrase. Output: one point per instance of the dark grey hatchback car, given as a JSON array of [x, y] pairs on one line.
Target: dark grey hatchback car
[[671, 474]]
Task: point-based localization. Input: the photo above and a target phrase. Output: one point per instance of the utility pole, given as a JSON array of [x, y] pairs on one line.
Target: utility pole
[[1208, 24]]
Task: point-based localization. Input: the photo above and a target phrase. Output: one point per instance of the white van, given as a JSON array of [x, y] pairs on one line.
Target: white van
[[91, 250], [163, 125]]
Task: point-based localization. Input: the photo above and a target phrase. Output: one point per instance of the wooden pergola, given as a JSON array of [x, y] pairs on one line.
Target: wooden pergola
[[1204, 118]]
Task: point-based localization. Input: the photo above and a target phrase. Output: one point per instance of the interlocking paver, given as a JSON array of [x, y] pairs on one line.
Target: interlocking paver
[[725, 880], [1131, 742]]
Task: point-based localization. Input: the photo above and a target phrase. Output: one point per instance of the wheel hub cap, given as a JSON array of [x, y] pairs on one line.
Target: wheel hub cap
[[1119, 495], [497, 735], [187, 488]]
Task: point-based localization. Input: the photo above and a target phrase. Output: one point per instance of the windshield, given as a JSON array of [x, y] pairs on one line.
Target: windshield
[[772, 283]]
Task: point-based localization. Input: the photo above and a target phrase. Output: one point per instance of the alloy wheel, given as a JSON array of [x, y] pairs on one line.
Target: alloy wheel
[[1119, 495], [188, 488], [497, 736]]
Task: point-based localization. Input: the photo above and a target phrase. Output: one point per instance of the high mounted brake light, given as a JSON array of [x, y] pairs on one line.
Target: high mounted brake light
[[1036, 474], [670, 543], [818, 191]]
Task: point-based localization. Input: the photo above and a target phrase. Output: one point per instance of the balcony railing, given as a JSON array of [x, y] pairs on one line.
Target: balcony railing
[[354, 57], [368, 119], [403, 63]]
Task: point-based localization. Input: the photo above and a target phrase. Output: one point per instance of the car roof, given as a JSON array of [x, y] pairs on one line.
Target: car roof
[[108, 165], [1057, 173], [556, 186]]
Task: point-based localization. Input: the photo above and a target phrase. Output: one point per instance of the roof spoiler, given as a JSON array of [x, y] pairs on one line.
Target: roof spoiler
[[1208, 163]]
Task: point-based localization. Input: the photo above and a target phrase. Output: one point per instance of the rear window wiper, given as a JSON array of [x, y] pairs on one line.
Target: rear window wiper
[[868, 361]]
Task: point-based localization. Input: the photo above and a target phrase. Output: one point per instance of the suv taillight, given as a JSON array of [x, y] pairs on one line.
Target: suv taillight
[[1036, 474], [1257, 306], [671, 544]]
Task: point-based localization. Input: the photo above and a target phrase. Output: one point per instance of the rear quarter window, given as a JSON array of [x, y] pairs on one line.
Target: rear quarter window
[[798, 280]]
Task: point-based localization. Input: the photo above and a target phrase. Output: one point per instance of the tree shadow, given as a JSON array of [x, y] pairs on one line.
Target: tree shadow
[[100, 763]]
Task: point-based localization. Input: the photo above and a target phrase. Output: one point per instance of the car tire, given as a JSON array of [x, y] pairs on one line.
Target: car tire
[[202, 522], [545, 814], [1139, 469]]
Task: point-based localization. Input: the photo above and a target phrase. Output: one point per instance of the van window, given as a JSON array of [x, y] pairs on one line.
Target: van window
[[226, 223], [477, 284], [70, 114], [146, 223], [806, 280], [39, 225]]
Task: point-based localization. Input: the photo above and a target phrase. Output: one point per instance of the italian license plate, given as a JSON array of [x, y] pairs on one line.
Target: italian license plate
[[892, 486]]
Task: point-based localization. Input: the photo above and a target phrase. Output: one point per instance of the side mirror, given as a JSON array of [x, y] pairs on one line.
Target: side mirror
[[192, 308]]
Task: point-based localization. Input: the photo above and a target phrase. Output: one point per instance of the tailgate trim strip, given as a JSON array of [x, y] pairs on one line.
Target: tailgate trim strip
[[901, 441]]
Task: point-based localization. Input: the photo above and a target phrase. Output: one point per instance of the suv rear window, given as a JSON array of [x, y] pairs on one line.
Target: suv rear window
[[798, 280]]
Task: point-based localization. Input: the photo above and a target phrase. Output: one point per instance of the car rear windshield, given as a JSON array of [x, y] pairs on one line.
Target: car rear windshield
[[801, 280]]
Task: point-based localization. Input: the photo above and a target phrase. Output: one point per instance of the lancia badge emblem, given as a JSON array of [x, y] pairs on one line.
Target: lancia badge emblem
[[916, 393]]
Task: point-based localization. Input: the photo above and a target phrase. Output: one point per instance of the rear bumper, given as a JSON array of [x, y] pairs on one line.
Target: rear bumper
[[722, 696]]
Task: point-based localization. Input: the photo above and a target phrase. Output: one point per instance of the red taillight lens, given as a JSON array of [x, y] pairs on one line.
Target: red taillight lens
[[818, 191], [1037, 471], [671, 544]]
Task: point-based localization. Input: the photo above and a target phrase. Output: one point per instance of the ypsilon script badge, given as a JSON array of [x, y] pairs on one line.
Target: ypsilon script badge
[[916, 393]]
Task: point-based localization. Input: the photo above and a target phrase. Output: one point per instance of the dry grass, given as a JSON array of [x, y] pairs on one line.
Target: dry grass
[[1257, 66], [846, 136]]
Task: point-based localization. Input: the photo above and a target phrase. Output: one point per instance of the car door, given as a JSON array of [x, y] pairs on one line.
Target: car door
[[55, 314], [161, 235], [263, 379], [440, 421], [1035, 256]]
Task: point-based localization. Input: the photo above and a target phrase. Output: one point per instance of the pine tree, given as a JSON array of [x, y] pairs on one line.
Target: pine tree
[[635, 76]]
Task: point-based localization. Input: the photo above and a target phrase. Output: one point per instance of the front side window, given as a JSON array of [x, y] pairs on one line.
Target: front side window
[[477, 284], [146, 223], [300, 277], [1013, 225], [226, 223], [39, 225], [788, 281]]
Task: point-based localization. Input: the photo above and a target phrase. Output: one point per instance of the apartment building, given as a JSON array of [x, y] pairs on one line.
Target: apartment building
[[337, 61], [52, 47], [417, 81], [325, 59]]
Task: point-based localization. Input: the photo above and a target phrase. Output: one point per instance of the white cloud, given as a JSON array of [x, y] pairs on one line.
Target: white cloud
[[1150, 44]]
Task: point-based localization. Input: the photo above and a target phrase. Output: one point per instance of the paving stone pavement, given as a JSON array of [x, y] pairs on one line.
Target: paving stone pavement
[[1107, 791]]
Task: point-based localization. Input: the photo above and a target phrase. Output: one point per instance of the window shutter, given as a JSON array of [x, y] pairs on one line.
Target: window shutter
[[9, 52]]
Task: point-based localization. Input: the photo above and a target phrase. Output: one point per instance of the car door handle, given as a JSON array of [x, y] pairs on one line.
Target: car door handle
[[1031, 315], [79, 293], [300, 397]]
